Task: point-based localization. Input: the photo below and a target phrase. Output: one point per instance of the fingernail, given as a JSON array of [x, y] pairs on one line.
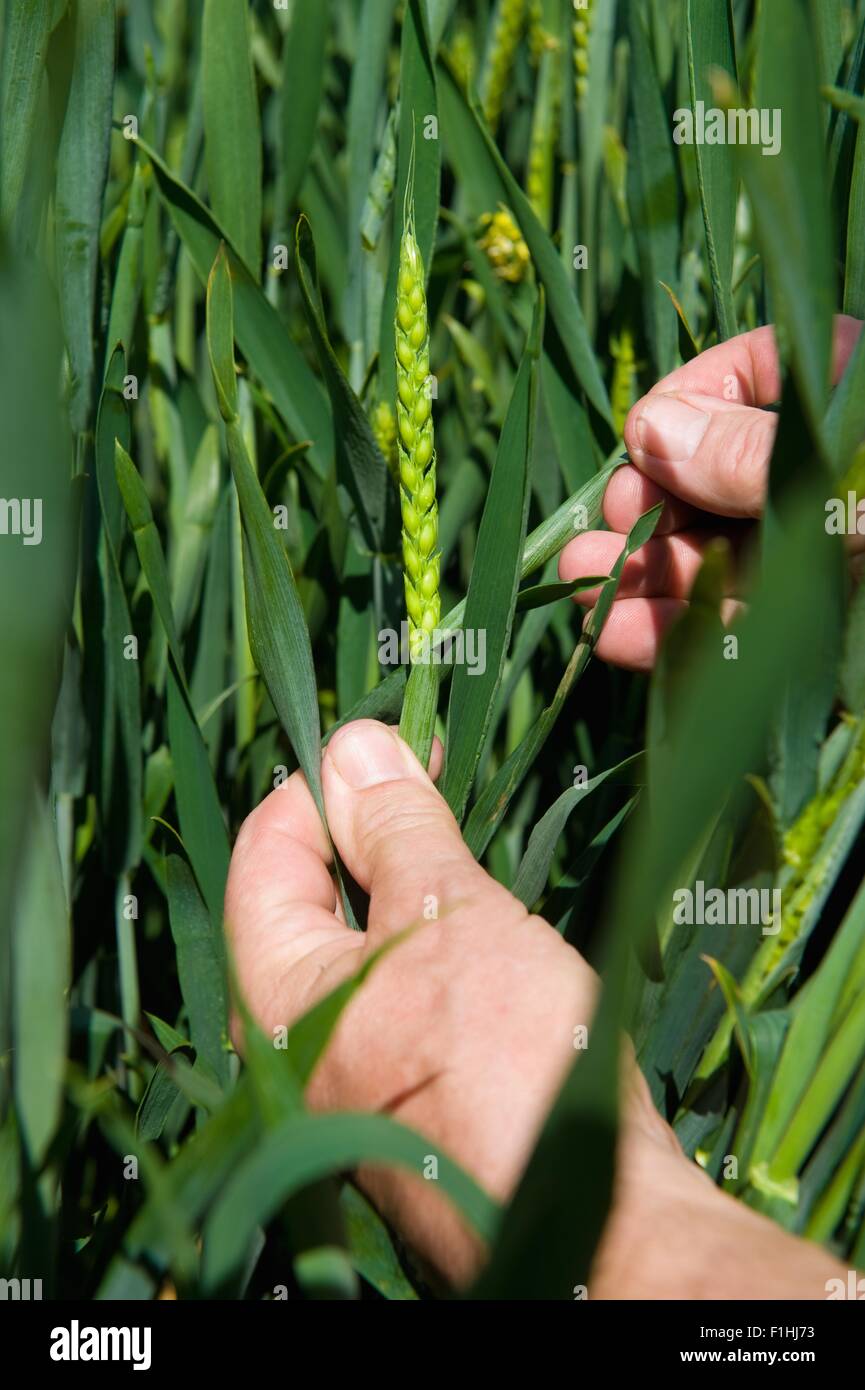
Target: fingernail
[[670, 429], [367, 754]]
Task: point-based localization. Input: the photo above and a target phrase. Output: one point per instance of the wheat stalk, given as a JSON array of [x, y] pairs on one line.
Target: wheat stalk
[[539, 181]]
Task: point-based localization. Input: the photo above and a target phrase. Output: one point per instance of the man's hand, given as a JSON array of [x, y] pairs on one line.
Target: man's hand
[[701, 445], [464, 1030]]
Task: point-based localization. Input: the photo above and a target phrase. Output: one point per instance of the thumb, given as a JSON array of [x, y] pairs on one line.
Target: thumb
[[396, 835], [712, 453]]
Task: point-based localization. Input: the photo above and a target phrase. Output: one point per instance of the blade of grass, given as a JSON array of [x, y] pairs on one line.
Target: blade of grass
[[303, 69], [562, 303], [790, 200], [842, 127], [542, 594], [831, 1077], [269, 349], [591, 118], [201, 820], [278, 635], [652, 195], [128, 278], [814, 1012], [492, 592], [25, 43], [372, 1252], [829, 44], [535, 863], [43, 968], [120, 715], [82, 167], [200, 968], [35, 580], [360, 466], [804, 704], [232, 132], [308, 1147], [367, 81], [854, 281], [489, 809]]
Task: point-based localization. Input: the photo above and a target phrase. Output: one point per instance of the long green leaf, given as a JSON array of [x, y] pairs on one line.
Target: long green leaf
[[309, 1147], [790, 199], [813, 1013], [492, 592], [275, 359], [562, 303], [232, 134], [854, 282], [372, 1251], [25, 43], [487, 813], [35, 579], [652, 195], [364, 101], [82, 166], [302, 81], [278, 635], [200, 967], [360, 466], [201, 819], [535, 864], [43, 968], [120, 712], [711, 46]]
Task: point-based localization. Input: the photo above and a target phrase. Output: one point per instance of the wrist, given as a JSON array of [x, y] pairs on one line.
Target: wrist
[[673, 1234]]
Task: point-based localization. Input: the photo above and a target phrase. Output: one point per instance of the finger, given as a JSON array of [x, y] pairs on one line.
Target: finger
[[731, 609], [746, 370], [281, 902], [697, 433], [713, 454], [283, 916], [632, 635], [636, 627], [395, 833], [630, 493], [436, 757], [665, 567]]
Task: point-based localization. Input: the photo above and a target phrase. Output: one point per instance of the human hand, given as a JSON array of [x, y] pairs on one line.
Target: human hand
[[700, 444], [464, 1030]]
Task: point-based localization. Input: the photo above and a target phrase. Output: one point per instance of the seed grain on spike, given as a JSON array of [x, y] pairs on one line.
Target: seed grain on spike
[[507, 26], [417, 462], [583, 17]]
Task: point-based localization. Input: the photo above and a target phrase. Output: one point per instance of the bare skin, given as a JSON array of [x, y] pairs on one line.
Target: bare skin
[[464, 1030], [700, 443]]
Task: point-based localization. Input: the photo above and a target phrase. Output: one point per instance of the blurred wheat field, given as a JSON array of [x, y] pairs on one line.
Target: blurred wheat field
[[201, 209]]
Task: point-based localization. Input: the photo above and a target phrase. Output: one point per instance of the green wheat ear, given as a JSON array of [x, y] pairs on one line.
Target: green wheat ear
[[417, 460], [582, 28], [507, 26]]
